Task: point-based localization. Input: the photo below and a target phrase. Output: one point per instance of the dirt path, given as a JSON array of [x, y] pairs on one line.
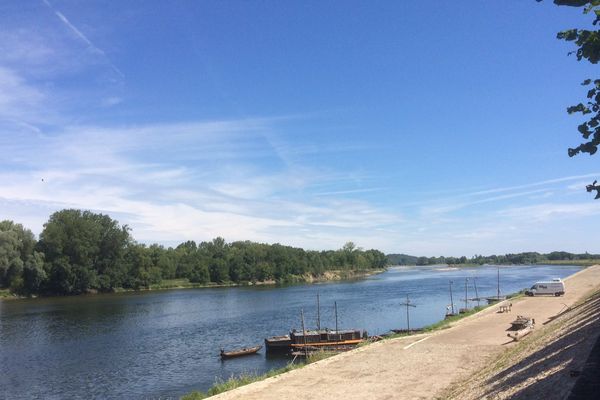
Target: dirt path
[[420, 366]]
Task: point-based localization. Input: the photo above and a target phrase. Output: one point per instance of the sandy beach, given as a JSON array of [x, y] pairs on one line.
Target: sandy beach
[[468, 360]]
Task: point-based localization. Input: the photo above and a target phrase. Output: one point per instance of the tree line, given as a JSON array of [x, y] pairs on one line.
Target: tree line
[[517, 258], [81, 252]]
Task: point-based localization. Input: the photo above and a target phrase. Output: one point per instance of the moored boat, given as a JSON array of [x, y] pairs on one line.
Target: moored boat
[[240, 352], [321, 338]]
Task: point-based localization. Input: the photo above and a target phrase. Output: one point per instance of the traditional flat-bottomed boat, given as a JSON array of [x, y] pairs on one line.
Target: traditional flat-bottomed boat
[[240, 352], [321, 338]]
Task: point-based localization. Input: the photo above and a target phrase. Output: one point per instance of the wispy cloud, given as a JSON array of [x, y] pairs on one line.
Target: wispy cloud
[[183, 194], [93, 48], [534, 184], [547, 211]]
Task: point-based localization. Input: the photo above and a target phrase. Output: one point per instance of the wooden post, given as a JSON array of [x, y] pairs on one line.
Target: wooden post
[[451, 299], [407, 317], [466, 295], [407, 304], [476, 293]]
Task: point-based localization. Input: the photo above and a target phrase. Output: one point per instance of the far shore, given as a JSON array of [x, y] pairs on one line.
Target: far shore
[[178, 284], [579, 263]]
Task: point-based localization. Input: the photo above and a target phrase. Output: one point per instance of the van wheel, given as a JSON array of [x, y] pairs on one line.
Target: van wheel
[[557, 294]]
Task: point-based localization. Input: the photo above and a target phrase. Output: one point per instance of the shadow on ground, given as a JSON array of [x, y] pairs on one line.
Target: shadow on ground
[[542, 374]]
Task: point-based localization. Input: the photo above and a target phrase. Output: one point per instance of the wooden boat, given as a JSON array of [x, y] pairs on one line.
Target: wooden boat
[[241, 352], [520, 327], [278, 343], [315, 338], [408, 332]]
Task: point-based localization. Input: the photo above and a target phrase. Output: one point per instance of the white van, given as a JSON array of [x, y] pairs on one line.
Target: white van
[[555, 287]]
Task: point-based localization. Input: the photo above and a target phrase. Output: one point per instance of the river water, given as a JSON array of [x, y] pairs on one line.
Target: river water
[[158, 345]]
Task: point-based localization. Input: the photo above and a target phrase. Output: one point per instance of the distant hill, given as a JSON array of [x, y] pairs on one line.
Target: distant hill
[[401, 259]]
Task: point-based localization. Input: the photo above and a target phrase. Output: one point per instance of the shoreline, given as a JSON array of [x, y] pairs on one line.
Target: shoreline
[[327, 276], [404, 366]]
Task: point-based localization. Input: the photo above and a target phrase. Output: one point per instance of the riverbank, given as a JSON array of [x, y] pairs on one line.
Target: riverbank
[[425, 365], [327, 276], [176, 284]]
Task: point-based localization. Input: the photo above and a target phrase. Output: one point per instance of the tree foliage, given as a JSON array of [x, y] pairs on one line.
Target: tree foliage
[[21, 267], [81, 251], [587, 43], [84, 251]]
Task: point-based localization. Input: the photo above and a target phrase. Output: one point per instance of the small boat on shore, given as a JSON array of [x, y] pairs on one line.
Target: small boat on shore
[[240, 352], [408, 332], [520, 327]]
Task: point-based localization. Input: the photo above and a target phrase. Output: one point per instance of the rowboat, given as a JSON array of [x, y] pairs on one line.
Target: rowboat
[[241, 352]]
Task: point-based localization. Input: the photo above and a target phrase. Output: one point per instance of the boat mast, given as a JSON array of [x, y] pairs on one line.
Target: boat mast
[[336, 319], [304, 333], [498, 295], [318, 313], [466, 295]]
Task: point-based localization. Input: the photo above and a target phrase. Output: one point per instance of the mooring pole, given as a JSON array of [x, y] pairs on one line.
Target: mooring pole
[[466, 294], [407, 317], [476, 293], [451, 299], [407, 304]]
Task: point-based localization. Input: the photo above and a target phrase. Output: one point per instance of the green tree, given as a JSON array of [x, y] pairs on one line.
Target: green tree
[[587, 43], [34, 274], [141, 272], [83, 251], [16, 253]]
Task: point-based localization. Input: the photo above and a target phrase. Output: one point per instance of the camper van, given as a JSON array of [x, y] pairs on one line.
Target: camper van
[[555, 287]]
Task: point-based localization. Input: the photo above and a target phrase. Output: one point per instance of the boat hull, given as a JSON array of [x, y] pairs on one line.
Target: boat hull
[[240, 353]]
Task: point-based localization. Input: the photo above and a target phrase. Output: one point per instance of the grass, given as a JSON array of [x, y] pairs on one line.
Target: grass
[[5, 293], [235, 382]]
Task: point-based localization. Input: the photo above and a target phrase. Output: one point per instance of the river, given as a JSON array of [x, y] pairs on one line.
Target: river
[[163, 344]]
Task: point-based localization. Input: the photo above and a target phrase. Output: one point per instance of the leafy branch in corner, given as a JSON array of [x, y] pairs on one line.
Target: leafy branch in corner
[[588, 48]]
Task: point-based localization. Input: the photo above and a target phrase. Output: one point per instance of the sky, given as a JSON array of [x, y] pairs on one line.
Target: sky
[[426, 128]]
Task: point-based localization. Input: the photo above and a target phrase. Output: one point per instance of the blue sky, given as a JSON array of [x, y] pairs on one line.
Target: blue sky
[[427, 128]]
